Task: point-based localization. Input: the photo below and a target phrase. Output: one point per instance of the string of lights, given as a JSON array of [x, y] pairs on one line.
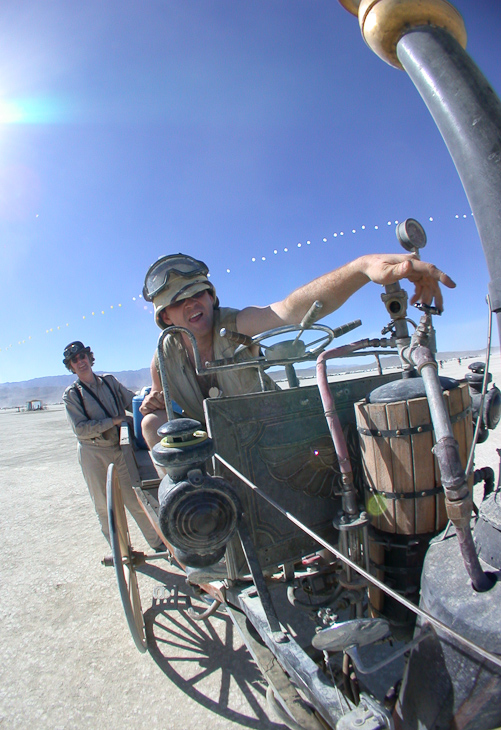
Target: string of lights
[[254, 259]]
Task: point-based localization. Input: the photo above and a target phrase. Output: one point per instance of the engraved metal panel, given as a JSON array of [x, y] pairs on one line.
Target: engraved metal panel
[[280, 441]]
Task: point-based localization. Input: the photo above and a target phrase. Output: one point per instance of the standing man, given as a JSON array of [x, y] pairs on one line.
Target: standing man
[[95, 407], [182, 295]]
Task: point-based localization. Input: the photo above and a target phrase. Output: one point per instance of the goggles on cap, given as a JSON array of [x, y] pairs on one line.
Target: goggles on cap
[[158, 274], [73, 349]]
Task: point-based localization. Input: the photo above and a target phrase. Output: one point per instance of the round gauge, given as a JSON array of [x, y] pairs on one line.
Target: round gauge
[[411, 234]]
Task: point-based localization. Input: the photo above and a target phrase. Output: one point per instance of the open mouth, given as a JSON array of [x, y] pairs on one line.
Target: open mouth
[[195, 317]]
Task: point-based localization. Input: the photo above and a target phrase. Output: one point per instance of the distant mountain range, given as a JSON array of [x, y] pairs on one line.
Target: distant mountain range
[[50, 389]]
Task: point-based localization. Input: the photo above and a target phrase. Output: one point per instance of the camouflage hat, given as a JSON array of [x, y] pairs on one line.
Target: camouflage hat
[[177, 289], [173, 278]]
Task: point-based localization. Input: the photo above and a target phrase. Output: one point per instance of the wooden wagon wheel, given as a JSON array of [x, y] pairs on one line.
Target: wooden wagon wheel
[[123, 560]]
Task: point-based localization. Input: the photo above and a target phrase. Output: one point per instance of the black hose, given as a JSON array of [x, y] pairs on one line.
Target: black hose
[[485, 475]]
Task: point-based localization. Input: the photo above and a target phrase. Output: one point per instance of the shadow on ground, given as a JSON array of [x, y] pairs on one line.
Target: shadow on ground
[[205, 659]]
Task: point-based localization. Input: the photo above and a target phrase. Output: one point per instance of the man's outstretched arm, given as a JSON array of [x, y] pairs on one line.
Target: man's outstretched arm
[[334, 288]]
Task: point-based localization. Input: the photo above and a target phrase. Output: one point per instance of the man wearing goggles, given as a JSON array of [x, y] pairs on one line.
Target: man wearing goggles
[[95, 407], [182, 295]]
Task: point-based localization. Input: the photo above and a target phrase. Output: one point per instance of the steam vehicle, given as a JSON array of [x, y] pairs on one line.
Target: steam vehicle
[[339, 515]]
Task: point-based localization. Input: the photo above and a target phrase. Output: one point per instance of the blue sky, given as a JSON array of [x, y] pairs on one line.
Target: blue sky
[[130, 129]]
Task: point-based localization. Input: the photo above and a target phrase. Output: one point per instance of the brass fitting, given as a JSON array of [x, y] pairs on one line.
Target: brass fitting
[[396, 303], [459, 511], [351, 6], [384, 22]]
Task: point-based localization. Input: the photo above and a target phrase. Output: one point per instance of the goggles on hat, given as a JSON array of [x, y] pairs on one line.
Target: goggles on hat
[[73, 349], [158, 274]]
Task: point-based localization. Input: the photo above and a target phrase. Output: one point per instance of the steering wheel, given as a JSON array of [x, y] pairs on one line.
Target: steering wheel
[[291, 351], [288, 351]]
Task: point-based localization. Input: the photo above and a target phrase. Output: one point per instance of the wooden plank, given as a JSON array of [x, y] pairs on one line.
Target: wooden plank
[[441, 513], [438, 476], [459, 427], [455, 408], [151, 513], [424, 467], [383, 468], [130, 460], [403, 477], [458, 400], [367, 452]]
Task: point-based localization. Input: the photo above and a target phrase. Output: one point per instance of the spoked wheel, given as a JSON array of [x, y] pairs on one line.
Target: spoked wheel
[[123, 560]]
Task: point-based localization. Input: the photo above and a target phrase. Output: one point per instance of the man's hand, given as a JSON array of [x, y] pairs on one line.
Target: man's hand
[[389, 268], [154, 401]]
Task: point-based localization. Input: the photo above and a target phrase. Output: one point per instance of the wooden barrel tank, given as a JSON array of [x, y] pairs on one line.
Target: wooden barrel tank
[[403, 492]]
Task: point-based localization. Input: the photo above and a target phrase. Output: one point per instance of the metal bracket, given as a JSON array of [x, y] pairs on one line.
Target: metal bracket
[[260, 583]]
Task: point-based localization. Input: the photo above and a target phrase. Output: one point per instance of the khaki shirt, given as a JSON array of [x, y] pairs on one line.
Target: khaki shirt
[[184, 388], [96, 428]]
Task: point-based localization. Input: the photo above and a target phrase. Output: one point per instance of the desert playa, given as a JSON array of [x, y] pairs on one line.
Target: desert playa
[[67, 658]]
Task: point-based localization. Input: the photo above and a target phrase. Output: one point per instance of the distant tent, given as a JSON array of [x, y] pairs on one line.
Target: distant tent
[[34, 405]]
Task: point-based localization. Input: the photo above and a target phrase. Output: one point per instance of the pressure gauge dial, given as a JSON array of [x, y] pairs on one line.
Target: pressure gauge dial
[[411, 235]]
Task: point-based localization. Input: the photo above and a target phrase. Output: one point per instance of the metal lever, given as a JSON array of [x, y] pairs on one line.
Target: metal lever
[[236, 337], [309, 318], [427, 308], [311, 315]]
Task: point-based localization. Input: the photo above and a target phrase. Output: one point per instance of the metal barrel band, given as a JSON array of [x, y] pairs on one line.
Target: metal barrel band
[[395, 433], [462, 414], [393, 570], [412, 431], [406, 495]]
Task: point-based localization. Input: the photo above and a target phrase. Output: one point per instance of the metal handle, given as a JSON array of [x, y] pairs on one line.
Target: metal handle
[[344, 328], [311, 315], [309, 318], [237, 337]]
